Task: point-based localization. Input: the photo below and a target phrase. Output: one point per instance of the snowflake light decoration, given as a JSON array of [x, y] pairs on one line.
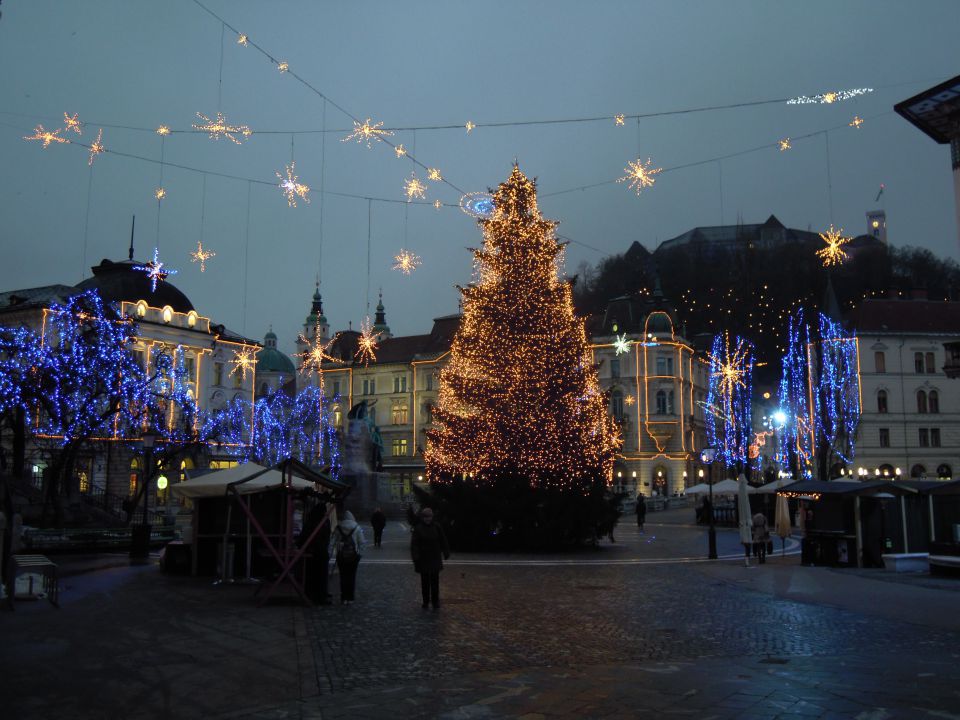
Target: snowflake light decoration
[[221, 128], [243, 360], [629, 400], [72, 123], [414, 188], [368, 133], [367, 342], [406, 262], [201, 256], [163, 131], [784, 144], [160, 193], [155, 270], [96, 148], [312, 359], [437, 204], [833, 253], [46, 136], [640, 174], [621, 344], [856, 122], [732, 367], [283, 66], [434, 174], [619, 120], [828, 98], [400, 150], [470, 126], [291, 188], [242, 40]]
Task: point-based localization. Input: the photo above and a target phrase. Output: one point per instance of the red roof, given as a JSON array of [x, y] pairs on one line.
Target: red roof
[[910, 317]]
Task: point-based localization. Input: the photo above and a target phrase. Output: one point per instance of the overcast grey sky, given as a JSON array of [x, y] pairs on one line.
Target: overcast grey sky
[[142, 64]]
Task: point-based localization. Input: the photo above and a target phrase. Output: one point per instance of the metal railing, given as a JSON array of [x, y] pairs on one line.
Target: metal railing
[[99, 497], [89, 539]]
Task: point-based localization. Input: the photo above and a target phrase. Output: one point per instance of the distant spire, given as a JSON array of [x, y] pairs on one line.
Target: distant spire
[[830, 307], [133, 224]]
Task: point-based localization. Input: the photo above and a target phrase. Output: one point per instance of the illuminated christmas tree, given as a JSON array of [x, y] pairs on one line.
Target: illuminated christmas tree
[[521, 428]]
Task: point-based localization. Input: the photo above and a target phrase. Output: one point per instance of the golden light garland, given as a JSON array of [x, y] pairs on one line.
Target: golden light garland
[[291, 188], [406, 262], [367, 132], [201, 256], [242, 40], [367, 342], [469, 126], [72, 123], [243, 360], [639, 174], [619, 120], [283, 66], [400, 150], [414, 188], [221, 128], [160, 193], [46, 136], [784, 144], [434, 174], [163, 131], [437, 204], [96, 147], [833, 253], [856, 122]]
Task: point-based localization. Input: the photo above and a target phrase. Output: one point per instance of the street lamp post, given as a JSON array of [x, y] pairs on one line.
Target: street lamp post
[[140, 534], [707, 456]]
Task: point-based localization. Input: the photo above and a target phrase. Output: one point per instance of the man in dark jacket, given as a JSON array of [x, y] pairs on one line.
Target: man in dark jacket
[[379, 521], [641, 511], [429, 548]]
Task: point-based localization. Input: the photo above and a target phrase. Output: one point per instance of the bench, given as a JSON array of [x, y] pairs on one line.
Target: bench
[[906, 562], [947, 563], [32, 565]]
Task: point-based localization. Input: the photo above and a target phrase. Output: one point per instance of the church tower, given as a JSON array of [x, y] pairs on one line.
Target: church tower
[[315, 322], [380, 321]]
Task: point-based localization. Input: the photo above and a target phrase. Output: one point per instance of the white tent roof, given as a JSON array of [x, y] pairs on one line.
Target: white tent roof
[[697, 489], [726, 487], [770, 487], [214, 484]]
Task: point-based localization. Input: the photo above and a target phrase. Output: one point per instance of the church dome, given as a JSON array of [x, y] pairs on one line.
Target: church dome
[[271, 360], [118, 281]]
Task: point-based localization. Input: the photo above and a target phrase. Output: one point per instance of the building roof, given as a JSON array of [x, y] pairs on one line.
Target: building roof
[[403, 349], [272, 360], [907, 317], [772, 231], [118, 281], [38, 297], [935, 111]]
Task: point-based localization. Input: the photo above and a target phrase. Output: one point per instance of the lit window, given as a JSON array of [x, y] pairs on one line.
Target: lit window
[[400, 414], [167, 314], [191, 318], [399, 447]]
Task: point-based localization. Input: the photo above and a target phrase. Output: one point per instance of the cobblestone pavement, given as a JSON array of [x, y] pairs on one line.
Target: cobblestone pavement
[[535, 637]]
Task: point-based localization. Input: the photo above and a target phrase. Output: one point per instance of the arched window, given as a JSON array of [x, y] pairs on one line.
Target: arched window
[[933, 401], [881, 401], [661, 402], [921, 402], [944, 472], [616, 403], [887, 471], [615, 367], [134, 475], [918, 471]]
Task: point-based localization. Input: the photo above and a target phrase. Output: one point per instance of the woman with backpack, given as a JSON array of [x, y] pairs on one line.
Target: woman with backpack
[[346, 545]]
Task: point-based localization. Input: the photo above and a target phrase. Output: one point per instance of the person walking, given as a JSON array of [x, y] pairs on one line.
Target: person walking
[[379, 521], [346, 545], [641, 511], [428, 549], [761, 536]]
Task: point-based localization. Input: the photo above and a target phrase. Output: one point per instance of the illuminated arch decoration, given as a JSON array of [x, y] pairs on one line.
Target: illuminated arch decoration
[[731, 386]]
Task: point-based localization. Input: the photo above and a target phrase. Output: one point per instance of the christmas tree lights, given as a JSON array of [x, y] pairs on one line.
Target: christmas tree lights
[[796, 442], [731, 372], [837, 395]]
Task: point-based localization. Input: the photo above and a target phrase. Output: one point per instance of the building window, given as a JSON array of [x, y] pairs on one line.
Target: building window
[[933, 401], [141, 309], [400, 384], [337, 415], [430, 381], [931, 367], [885, 437], [427, 414], [399, 447], [934, 437], [670, 403], [661, 402], [924, 438], [921, 402], [615, 367], [944, 472], [616, 404], [370, 386], [918, 471], [664, 366], [336, 388], [880, 361], [218, 373], [918, 363], [190, 365], [400, 414], [237, 380], [881, 401]]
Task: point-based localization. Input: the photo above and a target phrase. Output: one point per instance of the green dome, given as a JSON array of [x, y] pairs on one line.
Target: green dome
[[272, 360]]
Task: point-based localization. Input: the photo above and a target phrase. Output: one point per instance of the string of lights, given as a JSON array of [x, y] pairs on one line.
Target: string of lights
[[730, 391]]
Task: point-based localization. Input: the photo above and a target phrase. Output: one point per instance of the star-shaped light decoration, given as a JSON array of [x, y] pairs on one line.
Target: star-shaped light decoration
[[160, 193], [437, 204], [291, 188], [621, 344], [406, 262], [784, 144], [96, 148], [219, 128], [833, 253], [434, 174], [242, 40], [470, 125], [312, 359], [400, 150], [72, 123], [733, 366], [414, 188], [856, 122], [640, 174], [155, 270], [243, 360], [367, 132], [46, 136], [618, 119], [201, 256], [629, 400], [163, 131], [367, 342]]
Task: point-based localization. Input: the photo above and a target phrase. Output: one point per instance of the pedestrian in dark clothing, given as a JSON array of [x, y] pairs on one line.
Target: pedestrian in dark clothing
[[317, 564], [379, 521], [346, 545], [429, 548], [641, 511], [761, 536]]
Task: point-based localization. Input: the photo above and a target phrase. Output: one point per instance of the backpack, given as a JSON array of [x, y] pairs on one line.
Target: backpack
[[348, 547]]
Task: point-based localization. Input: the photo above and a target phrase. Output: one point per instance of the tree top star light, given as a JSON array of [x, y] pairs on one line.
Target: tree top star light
[[833, 253], [291, 188], [221, 128], [640, 174], [367, 132]]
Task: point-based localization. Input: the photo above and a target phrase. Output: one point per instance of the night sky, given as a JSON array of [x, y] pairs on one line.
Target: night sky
[[140, 65]]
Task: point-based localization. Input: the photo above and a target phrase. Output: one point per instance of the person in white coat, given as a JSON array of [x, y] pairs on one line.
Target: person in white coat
[[346, 546]]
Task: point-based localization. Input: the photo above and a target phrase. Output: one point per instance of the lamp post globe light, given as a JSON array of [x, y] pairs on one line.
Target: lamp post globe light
[[140, 534], [707, 456]]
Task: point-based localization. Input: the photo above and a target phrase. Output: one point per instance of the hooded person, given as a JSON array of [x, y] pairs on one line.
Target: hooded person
[[346, 546], [428, 549]]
